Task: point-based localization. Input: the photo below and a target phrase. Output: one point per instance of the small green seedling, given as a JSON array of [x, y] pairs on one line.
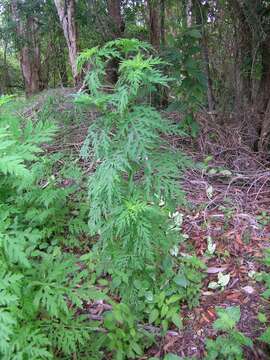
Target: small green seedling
[[229, 345]]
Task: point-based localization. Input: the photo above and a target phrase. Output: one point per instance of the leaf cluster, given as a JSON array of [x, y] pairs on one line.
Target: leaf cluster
[[41, 287]]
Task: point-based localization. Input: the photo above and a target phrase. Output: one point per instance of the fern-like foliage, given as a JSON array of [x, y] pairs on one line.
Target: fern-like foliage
[[136, 182], [40, 287]]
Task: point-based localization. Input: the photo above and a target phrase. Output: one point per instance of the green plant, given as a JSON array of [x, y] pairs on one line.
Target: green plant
[[263, 218], [188, 279], [135, 186], [228, 346], [264, 276], [163, 310], [188, 88], [41, 287], [124, 337]]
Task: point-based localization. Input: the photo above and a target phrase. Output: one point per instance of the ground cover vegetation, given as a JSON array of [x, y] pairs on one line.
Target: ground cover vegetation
[[134, 179]]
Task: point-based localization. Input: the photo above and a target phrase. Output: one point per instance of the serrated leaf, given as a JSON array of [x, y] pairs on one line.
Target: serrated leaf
[[227, 318]]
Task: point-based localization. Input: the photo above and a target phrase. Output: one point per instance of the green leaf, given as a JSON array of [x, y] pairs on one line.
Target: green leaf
[[173, 299], [181, 280], [172, 357], [265, 337], [227, 318], [176, 319], [164, 324], [137, 348], [262, 317], [154, 314]]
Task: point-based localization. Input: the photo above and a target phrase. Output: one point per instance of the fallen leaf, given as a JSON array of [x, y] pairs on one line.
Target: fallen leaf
[[215, 270], [249, 289], [223, 280]]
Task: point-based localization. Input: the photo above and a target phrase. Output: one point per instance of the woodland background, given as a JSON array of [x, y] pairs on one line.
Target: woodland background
[[134, 179], [227, 53]]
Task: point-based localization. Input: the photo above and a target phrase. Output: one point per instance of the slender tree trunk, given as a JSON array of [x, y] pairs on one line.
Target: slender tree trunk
[[201, 20], [244, 55], [114, 11], [6, 78], [66, 13], [189, 13], [61, 65], [154, 23], [162, 22], [29, 51], [210, 95], [118, 25], [263, 98]]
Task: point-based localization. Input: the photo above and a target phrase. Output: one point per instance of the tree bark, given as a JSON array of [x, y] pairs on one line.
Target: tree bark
[[66, 13], [244, 55], [6, 78], [189, 13], [210, 95], [162, 22], [154, 24], [263, 98], [114, 11], [201, 18], [29, 51], [118, 26]]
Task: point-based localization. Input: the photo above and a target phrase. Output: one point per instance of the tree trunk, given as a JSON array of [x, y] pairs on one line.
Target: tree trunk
[[201, 18], [66, 13], [29, 51], [118, 26], [162, 22], [244, 55], [114, 11], [6, 78], [263, 98], [210, 95], [154, 24], [189, 13]]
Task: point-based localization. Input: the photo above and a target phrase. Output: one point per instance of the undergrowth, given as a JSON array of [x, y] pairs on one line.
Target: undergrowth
[[66, 245], [135, 189], [41, 287]]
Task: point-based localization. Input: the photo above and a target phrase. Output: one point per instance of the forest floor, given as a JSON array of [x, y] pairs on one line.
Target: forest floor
[[226, 220]]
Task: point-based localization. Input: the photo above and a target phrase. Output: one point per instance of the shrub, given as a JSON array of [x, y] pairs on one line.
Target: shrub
[[39, 289], [135, 187]]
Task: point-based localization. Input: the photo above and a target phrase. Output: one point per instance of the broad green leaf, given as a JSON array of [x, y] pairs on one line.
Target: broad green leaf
[[176, 319], [154, 314], [181, 280]]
